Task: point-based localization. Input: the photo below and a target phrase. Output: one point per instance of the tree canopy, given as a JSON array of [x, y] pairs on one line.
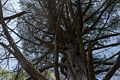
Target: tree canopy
[[70, 38]]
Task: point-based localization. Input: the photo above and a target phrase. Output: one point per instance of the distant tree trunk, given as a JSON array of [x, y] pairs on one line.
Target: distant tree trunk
[[76, 67]]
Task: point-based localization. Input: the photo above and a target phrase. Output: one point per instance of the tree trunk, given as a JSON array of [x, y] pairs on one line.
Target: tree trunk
[[76, 67]]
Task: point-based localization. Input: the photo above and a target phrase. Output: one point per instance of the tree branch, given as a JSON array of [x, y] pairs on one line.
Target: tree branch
[[113, 69]]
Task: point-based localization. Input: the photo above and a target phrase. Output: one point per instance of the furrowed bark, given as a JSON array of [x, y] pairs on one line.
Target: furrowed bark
[[76, 69]]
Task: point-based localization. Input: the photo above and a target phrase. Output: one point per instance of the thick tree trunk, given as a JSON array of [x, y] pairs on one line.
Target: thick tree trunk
[[76, 66]]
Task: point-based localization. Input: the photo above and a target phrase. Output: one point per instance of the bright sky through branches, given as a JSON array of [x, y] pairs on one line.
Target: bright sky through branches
[[10, 7]]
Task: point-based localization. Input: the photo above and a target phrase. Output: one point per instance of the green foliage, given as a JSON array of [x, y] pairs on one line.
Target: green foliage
[[6, 75], [49, 74]]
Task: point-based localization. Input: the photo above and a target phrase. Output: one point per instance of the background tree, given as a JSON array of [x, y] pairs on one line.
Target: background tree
[[13, 49]]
